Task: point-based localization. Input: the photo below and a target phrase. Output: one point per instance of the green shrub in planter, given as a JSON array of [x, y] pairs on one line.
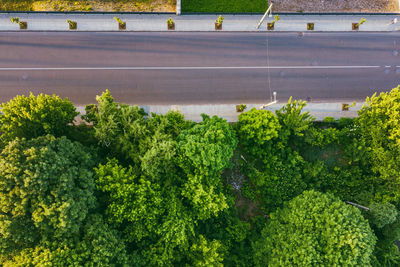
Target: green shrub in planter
[[270, 26], [355, 26], [121, 23], [170, 24], [23, 25], [240, 108], [72, 24], [218, 23]]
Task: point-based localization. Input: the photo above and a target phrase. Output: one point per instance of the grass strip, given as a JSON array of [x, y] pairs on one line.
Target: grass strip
[[227, 6]]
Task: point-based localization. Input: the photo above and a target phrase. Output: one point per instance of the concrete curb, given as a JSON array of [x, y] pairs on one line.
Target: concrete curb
[[204, 13], [86, 12], [218, 32], [298, 13]]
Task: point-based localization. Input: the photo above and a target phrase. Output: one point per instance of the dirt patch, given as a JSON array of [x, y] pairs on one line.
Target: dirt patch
[[92, 5], [336, 6]]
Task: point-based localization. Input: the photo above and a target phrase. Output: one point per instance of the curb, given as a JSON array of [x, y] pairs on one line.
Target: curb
[[206, 13], [85, 12], [218, 32], [297, 13]]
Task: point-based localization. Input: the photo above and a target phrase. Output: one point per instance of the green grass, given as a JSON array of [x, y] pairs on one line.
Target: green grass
[[224, 6]]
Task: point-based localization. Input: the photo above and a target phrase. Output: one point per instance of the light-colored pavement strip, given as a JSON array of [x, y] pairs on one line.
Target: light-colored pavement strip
[[157, 22]]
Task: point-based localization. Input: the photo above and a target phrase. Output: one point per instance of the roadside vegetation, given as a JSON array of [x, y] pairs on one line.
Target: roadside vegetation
[[92, 5], [226, 6], [127, 188]]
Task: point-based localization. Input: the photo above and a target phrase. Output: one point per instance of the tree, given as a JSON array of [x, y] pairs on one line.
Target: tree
[[382, 214], [384, 220], [379, 122], [34, 116], [46, 191], [315, 229], [205, 253], [295, 122], [204, 152], [178, 184], [97, 245], [207, 147], [130, 199], [119, 127], [274, 170], [256, 127]]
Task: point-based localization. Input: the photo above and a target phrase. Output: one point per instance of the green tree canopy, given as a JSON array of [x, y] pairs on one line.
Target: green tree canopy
[[315, 229], [97, 245], [295, 123], [256, 127], [118, 127], [178, 184], [34, 116], [274, 169], [46, 191], [204, 152], [385, 221], [379, 120]]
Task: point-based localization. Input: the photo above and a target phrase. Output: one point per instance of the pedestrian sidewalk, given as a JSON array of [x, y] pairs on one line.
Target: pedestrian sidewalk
[[157, 22], [228, 112]]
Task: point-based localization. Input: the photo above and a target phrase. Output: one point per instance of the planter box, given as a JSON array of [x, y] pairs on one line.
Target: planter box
[[355, 26], [310, 26], [122, 26], [218, 27], [73, 25], [171, 26], [23, 25], [270, 26]]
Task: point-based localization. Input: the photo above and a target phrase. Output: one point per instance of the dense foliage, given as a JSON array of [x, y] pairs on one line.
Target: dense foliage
[[34, 116], [379, 122], [129, 188], [315, 229]]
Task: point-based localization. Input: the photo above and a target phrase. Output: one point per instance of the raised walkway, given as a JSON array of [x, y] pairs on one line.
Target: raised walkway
[[157, 22]]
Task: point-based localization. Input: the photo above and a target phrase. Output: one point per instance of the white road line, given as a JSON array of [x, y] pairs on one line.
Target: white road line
[[190, 68], [387, 66]]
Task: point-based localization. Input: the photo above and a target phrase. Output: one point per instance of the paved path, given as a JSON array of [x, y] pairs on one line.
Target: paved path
[[199, 68], [149, 22]]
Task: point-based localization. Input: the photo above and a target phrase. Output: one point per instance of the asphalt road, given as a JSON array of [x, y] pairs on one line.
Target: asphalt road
[[199, 68]]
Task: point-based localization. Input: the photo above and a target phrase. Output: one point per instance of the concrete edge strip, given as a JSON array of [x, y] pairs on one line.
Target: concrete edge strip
[[299, 13], [205, 13], [263, 31], [185, 68]]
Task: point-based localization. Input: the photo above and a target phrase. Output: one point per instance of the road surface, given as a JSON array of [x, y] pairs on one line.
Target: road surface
[[199, 68]]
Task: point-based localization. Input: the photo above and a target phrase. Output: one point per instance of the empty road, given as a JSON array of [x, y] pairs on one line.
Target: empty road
[[199, 68]]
